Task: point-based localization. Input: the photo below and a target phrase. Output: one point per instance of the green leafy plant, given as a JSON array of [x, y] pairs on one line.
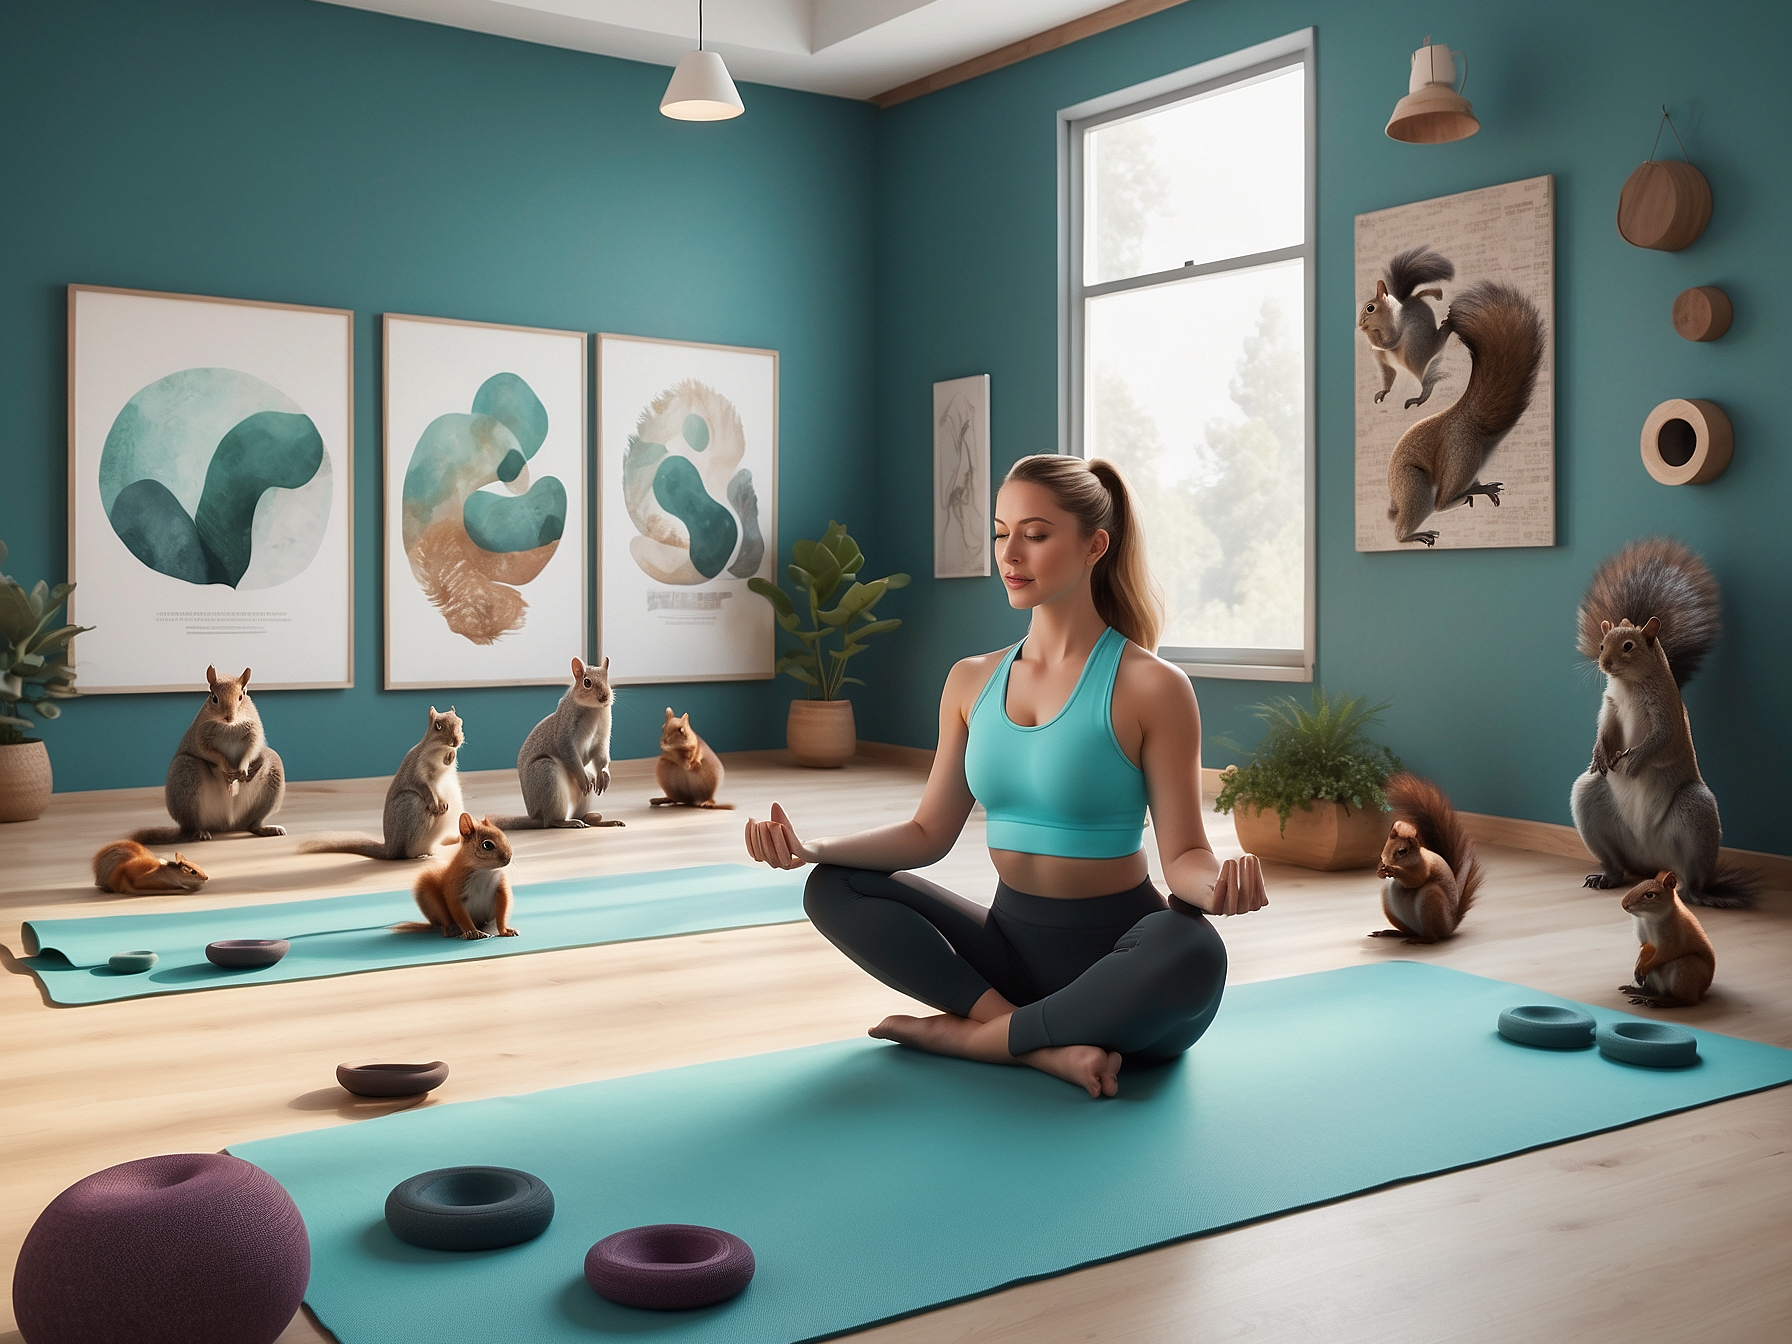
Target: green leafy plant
[[818, 569], [34, 668], [1308, 754]]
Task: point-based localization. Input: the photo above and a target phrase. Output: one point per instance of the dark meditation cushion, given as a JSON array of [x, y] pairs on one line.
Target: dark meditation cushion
[[131, 963], [1654, 1045], [191, 1248], [246, 954], [469, 1208], [669, 1266], [391, 1080], [1547, 1025]]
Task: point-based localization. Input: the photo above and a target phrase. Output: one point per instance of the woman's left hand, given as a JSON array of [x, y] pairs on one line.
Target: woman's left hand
[[1239, 889]]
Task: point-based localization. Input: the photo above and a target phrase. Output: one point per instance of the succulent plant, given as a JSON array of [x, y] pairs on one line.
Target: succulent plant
[[34, 667], [819, 568]]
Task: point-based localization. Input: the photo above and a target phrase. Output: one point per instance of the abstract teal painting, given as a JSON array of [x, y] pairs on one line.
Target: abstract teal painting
[[695, 511]]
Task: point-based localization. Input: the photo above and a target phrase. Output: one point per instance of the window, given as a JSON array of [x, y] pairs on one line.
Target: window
[[1187, 328]]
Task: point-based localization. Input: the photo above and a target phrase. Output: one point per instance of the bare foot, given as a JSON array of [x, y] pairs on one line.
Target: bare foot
[[1089, 1067]]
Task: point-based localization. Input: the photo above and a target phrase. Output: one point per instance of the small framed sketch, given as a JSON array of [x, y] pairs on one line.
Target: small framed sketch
[[687, 460], [961, 524], [211, 462], [484, 503]]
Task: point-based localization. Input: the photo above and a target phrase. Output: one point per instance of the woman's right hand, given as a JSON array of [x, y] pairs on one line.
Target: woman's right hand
[[775, 842]]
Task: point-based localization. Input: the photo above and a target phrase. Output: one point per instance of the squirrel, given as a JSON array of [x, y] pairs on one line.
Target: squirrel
[[1437, 462], [1403, 330], [1429, 863], [468, 896], [688, 772], [1642, 806], [225, 776], [1677, 961], [127, 868], [421, 802], [566, 757]]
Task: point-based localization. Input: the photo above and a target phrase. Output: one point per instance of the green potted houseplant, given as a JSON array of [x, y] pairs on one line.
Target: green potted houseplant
[[1309, 793], [820, 730], [34, 675]]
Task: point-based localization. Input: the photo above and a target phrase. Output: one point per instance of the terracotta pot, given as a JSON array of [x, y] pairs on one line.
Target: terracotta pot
[[1323, 835], [24, 780], [821, 732]]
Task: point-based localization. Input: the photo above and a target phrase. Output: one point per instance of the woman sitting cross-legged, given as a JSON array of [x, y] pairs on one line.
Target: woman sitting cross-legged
[[1065, 739]]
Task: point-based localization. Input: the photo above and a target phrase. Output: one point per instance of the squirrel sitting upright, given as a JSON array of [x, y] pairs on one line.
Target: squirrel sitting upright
[[1429, 863], [1437, 463], [127, 868], [469, 896], [1677, 962], [566, 757], [1642, 806], [1403, 330], [225, 776], [688, 772], [421, 802]]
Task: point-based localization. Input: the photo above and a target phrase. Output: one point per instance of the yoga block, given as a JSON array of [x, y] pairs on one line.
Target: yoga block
[[190, 1248]]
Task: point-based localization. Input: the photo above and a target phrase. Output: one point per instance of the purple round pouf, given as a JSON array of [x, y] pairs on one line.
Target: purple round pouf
[[669, 1266], [191, 1248]]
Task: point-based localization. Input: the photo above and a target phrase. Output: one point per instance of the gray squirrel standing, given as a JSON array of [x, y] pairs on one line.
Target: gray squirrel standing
[[1642, 807], [1402, 329], [224, 776], [422, 802], [566, 757]]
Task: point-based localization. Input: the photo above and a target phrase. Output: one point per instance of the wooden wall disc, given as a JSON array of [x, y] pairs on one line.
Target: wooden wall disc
[[1687, 442], [1665, 204], [1702, 313]]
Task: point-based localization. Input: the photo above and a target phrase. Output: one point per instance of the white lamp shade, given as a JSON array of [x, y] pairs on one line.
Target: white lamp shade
[[701, 90]]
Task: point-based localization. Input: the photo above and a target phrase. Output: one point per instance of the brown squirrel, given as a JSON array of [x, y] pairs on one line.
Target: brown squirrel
[[688, 772], [1403, 330], [224, 776], [1642, 806], [1429, 863], [469, 896], [1437, 463], [127, 868], [1677, 961]]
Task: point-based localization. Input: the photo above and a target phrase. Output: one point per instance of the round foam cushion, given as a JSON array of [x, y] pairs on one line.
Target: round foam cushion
[[469, 1208], [191, 1248], [1654, 1044], [246, 954], [131, 963], [391, 1080], [669, 1266], [1547, 1025]]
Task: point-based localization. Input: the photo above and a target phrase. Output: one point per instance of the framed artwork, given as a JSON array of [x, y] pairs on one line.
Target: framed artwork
[[1455, 371], [687, 460], [484, 503], [961, 524], [210, 475]]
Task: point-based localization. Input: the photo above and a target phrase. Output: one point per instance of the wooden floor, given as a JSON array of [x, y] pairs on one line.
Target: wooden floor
[[1677, 1229]]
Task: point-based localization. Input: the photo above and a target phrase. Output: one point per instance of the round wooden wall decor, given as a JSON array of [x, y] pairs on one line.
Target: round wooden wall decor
[[1687, 442], [1665, 205], [1702, 313]]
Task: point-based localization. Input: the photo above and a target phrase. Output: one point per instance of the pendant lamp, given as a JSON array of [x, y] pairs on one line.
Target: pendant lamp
[[1434, 109], [701, 89]]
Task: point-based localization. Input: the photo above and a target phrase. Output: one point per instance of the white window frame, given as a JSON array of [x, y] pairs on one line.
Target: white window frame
[[1073, 122]]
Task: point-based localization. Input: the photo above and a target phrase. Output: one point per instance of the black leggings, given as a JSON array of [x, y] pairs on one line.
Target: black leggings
[[1127, 972]]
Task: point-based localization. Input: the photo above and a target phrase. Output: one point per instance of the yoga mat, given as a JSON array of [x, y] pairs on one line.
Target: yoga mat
[[874, 1182], [340, 935]]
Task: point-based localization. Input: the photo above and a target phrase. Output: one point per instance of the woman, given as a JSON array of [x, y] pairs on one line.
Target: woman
[[1065, 739]]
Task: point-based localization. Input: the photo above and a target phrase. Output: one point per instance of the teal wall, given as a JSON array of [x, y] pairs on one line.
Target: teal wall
[[304, 153], [1474, 648]]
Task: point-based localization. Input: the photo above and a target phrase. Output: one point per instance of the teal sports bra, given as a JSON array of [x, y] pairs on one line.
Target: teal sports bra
[[1062, 787]]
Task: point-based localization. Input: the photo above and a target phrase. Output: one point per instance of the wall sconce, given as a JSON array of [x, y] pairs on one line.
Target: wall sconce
[[1434, 110]]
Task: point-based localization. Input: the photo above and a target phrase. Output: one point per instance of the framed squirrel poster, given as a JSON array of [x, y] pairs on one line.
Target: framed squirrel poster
[[1455, 371]]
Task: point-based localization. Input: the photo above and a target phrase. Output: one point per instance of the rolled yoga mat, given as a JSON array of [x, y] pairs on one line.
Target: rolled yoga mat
[[340, 935], [874, 1182]]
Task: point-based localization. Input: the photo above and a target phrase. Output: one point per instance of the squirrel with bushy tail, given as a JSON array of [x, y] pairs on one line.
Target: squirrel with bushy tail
[[1642, 807]]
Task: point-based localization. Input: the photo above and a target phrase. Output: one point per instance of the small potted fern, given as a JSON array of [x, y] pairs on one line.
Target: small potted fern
[[1309, 793], [35, 675]]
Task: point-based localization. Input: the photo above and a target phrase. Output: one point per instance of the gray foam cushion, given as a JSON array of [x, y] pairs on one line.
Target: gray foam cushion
[[469, 1208], [1655, 1045], [1547, 1025], [246, 954]]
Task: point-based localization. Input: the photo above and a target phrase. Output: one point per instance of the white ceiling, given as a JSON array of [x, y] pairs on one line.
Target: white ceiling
[[852, 48]]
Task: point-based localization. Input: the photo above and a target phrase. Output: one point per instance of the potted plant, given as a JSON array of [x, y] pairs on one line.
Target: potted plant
[[820, 730], [1310, 791], [34, 674]]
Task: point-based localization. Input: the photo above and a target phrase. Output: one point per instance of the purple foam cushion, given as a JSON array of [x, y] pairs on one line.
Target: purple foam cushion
[[669, 1266], [391, 1080], [190, 1248]]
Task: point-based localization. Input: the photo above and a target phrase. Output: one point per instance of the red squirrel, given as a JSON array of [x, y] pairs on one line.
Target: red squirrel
[[127, 868], [1429, 863], [688, 772], [1677, 962], [469, 896]]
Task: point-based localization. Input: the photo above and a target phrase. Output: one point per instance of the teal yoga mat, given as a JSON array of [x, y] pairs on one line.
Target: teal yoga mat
[[339, 935], [873, 1182]]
